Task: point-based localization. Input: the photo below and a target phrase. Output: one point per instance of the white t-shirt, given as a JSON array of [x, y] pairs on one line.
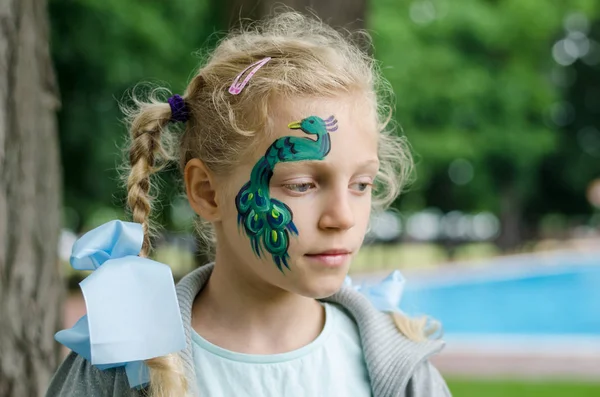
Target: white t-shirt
[[332, 365]]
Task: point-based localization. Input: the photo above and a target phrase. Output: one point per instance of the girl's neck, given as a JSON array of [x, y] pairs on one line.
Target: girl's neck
[[239, 312]]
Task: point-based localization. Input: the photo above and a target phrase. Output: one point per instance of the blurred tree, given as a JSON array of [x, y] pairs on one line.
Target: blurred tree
[[473, 93], [102, 49], [347, 13], [31, 291], [567, 174]]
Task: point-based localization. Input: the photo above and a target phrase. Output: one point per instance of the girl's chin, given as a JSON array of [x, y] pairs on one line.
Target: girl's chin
[[320, 286]]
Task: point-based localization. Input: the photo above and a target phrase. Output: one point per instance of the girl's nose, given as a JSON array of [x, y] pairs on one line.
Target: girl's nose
[[337, 212]]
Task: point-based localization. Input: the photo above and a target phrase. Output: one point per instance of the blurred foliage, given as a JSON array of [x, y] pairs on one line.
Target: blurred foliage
[[567, 172], [473, 83], [473, 80], [101, 50]]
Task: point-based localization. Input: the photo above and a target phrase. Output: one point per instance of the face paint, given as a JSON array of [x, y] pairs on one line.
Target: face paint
[[267, 221]]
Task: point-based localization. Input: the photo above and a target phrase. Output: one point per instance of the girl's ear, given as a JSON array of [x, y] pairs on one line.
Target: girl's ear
[[201, 190]]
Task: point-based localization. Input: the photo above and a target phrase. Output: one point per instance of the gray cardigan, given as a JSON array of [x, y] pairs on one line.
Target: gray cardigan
[[397, 366]]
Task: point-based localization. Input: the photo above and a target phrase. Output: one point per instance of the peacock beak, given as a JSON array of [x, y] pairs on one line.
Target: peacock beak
[[294, 126]]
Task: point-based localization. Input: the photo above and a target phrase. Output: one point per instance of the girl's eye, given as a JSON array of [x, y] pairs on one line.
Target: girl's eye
[[360, 186], [300, 187]]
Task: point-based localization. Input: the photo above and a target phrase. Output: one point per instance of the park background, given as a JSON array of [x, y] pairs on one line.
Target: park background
[[499, 99]]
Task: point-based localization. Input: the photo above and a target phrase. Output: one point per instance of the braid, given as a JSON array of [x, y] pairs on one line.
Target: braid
[[147, 155], [141, 157]]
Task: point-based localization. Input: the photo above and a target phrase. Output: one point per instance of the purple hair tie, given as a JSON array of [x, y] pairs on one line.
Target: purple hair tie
[[179, 109]]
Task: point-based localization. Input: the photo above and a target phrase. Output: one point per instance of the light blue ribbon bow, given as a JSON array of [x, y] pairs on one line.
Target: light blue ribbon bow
[[386, 295], [132, 309]]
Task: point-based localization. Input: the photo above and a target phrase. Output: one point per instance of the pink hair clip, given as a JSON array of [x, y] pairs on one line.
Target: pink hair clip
[[237, 88]]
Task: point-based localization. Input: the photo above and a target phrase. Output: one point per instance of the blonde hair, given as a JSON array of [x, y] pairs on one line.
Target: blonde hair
[[309, 58]]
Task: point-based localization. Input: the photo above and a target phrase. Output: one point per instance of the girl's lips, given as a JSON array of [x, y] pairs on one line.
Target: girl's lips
[[330, 258], [334, 251]]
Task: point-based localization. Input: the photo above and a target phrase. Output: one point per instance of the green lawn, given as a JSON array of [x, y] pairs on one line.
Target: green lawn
[[416, 255], [498, 388]]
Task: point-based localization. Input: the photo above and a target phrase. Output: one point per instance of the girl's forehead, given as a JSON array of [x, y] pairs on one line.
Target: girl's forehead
[[354, 141], [350, 109]]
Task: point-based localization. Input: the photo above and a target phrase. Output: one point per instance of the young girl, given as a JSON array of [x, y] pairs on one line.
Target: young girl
[[284, 155]]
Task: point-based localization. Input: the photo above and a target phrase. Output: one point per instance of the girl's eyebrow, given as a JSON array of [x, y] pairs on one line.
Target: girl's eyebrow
[[366, 163]]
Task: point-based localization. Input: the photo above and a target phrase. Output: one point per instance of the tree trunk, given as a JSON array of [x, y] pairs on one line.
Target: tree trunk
[[349, 14], [31, 290], [511, 213]]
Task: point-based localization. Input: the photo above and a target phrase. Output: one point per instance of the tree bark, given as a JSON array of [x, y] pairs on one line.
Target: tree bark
[[349, 14], [31, 290], [511, 215]]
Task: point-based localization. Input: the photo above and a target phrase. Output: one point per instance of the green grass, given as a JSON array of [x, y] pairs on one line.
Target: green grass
[[416, 255], [498, 388]]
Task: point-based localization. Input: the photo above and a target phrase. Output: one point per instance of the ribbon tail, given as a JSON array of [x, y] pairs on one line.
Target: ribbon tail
[[386, 295], [138, 374], [77, 338]]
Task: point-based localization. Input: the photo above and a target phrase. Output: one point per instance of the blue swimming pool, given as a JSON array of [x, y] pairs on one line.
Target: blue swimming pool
[[554, 296]]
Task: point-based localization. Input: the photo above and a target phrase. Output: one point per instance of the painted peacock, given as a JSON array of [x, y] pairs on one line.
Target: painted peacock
[[267, 221]]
